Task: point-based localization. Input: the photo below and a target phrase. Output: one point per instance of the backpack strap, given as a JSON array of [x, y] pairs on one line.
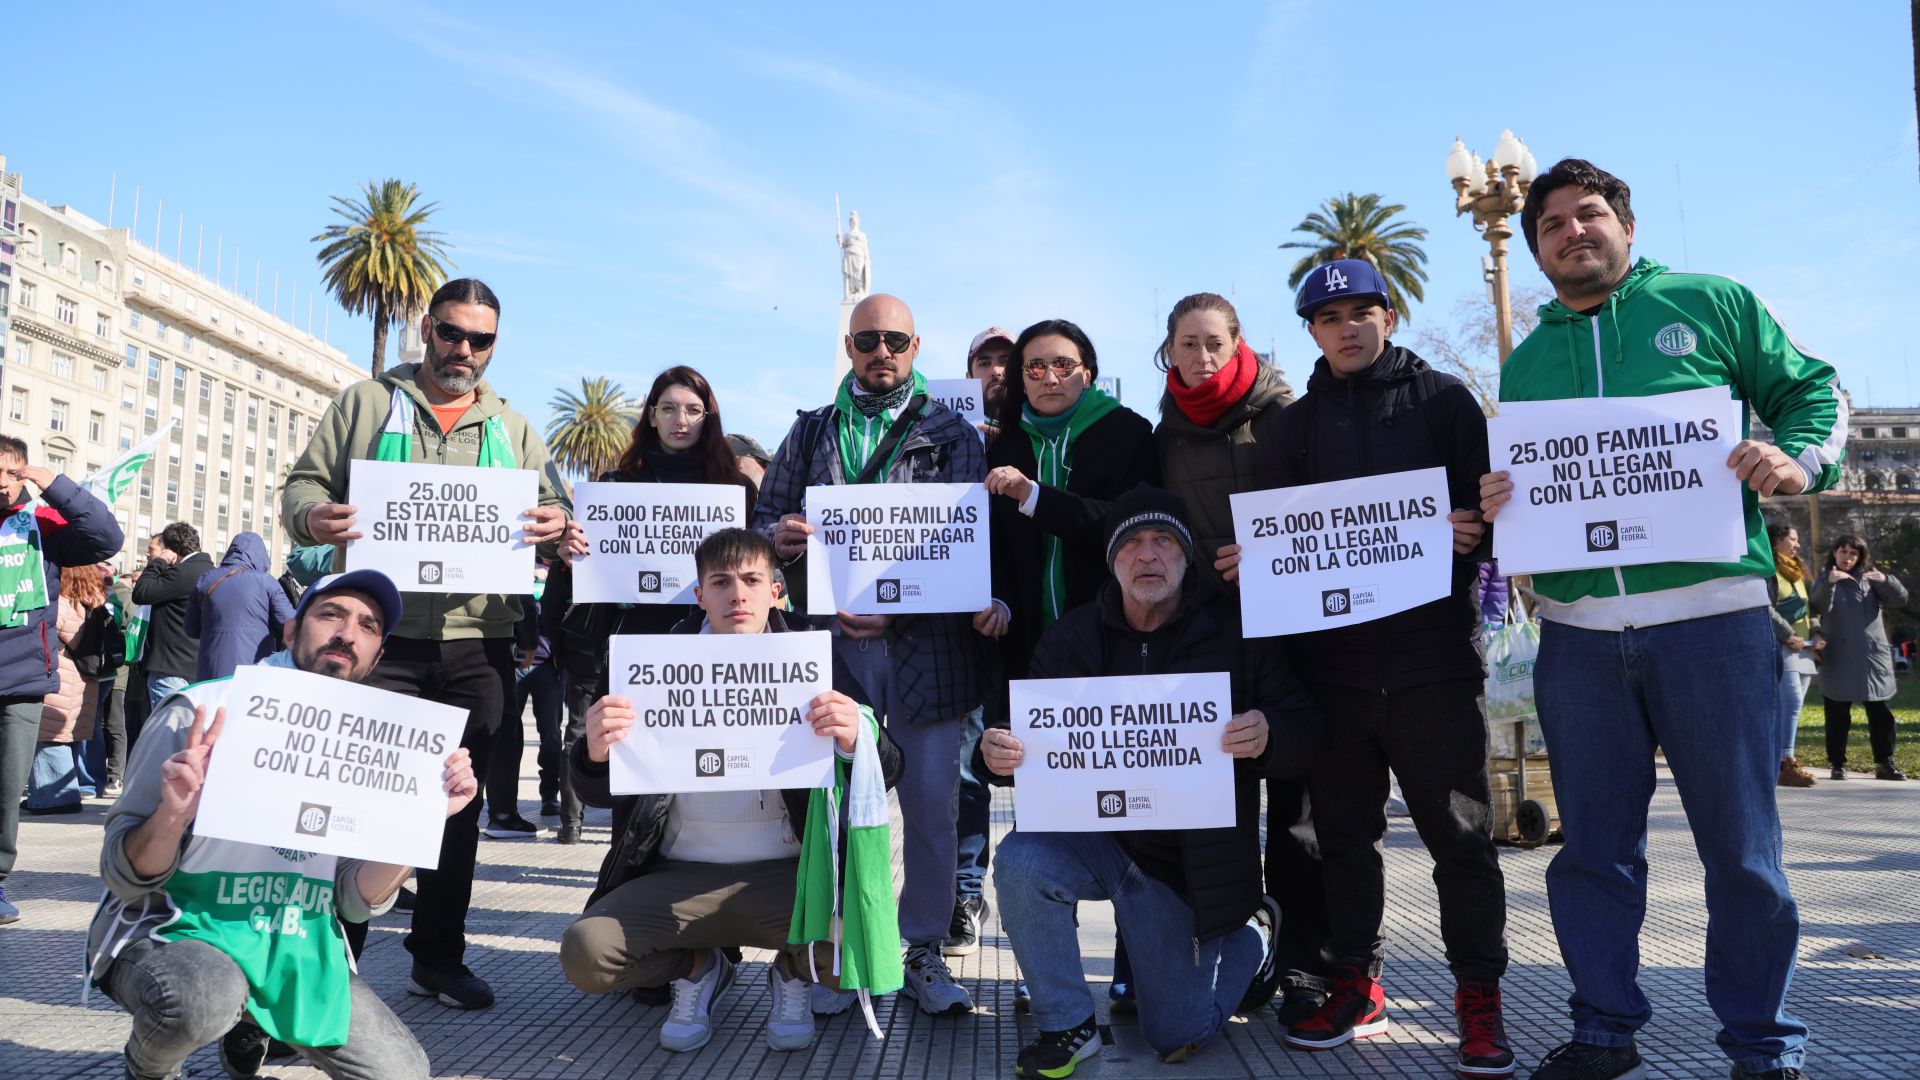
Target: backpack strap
[[912, 414]]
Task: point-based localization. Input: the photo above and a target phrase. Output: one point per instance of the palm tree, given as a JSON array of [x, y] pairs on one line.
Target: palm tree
[[1357, 227], [591, 429], [382, 259]]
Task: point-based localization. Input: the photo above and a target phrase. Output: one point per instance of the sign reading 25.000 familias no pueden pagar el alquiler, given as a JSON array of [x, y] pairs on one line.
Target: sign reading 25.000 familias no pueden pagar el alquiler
[[443, 528], [1618, 481], [1319, 556], [1122, 752], [898, 549], [721, 712], [641, 538]]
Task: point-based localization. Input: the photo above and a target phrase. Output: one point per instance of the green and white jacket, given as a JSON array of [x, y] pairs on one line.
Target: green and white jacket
[[275, 911], [1661, 332]]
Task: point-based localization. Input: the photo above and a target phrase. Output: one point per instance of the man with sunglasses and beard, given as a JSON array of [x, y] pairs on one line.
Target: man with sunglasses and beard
[[920, 671], [456, 649]]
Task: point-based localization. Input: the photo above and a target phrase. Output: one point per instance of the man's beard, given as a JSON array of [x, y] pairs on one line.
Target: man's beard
[[1602, 277], [453, 382], [331, 664]]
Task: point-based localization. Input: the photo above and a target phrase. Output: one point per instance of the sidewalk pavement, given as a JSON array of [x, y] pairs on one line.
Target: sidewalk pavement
[[1852, 856]]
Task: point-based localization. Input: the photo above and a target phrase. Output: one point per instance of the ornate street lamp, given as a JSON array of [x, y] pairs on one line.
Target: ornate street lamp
[[1492, 192]]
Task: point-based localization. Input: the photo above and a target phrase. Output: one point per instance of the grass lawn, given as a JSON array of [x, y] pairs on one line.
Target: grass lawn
[[1906, 733]]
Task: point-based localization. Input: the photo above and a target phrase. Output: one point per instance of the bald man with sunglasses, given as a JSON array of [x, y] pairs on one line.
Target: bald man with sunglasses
[[922, 672]]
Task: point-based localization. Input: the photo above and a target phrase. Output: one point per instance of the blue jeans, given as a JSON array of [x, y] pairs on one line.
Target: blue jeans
[[56, 777], [1793, 695], [1186, 989], [1706, 691], [160, 687], [975, 815]]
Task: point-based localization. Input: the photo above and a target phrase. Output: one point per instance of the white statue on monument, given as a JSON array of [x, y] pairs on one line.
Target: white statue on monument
[[856, 271]]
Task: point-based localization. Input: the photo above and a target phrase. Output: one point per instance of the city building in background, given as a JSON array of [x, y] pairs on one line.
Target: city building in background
[[107, 341]]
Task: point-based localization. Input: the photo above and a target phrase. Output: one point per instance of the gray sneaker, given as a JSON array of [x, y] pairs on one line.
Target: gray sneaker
[[690, 1025], [789, 1011], [826, 1001], [8, 913], [931, 984]]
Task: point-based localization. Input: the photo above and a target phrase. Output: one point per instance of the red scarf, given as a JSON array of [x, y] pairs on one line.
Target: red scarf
[[1218, 392]]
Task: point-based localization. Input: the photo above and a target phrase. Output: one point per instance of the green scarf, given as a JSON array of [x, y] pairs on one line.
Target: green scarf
[[861, 422], [1053, 438], [857, 915], [396, 437], [23, 567]]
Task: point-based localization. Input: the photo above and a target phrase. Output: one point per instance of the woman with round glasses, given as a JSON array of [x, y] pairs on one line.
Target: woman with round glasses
[[1066, 449], [678, 440]]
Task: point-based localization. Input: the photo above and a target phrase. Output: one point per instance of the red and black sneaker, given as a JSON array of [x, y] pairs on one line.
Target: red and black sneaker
[[1356, 1009], [1483, 1036]]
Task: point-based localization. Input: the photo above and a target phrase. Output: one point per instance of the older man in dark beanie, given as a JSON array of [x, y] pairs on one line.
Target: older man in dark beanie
[[1188, 902]]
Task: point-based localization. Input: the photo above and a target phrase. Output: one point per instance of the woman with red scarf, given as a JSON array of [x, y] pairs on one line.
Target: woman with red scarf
[[1220, 409]]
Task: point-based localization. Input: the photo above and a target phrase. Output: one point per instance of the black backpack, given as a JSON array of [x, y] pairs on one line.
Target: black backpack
[[100, 648]]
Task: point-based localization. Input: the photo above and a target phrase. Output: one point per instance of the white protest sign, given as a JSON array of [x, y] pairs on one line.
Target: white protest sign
[[898, 549], [1121, 753], [641, 538], [968, 397], [313, 763], [1618, 481], [721, 712], [1350, 551], [443, 528]]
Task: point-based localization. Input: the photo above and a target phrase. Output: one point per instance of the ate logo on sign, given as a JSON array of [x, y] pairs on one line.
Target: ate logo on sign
[[1336, 601], [649, 581], [312, 820], [430, 573], [709, 763], [1111, 804], [887, 590], [1603, 536]]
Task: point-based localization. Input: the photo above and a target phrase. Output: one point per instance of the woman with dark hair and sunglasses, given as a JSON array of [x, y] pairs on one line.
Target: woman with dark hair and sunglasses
[[679, 439], [1857, 663]]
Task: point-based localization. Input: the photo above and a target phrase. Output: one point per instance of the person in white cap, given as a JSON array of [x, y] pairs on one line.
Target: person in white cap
[[987, 361]]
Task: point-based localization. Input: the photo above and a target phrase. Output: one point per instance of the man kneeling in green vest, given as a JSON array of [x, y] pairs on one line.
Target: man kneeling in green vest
[[195, 933]]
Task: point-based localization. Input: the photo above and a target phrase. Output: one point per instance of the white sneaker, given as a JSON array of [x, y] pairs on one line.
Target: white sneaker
[[931, 984], [789, 1017], [690, 1025], [826, 1001]]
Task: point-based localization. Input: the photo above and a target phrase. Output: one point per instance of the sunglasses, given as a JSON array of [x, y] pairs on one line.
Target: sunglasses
[[453, 335], [869, 340], [1063, 366]]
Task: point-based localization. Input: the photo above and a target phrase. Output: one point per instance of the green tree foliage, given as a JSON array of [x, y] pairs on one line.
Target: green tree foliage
[[1358, 227], [591, 429], [381, 258]]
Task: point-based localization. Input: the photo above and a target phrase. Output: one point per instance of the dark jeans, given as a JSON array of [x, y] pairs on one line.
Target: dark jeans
[[474, 674], [19, 734], [579, 700], [105, 755], [138, 707], [185, 994], [1297, 880], [541, 683], [976, 816], [1840, 722], [1705, 692], [1435, 739]]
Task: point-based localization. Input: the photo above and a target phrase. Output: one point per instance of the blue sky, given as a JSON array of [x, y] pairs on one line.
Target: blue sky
[[649, 184]]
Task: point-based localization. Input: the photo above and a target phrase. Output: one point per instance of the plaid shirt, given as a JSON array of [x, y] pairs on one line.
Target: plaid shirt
[[936, 658]]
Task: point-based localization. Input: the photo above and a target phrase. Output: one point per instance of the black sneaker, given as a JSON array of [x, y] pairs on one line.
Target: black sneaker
[[1586, 1061], [1022, 997], [1121, 999], [405, 901], [456, 988], [1356, 1009], [1266, 979], [511, 827], [243, 1049], [567, 834], [1483, 1033], [1298, 1003], [549, 807], [963, 934], [1054, 1054], [1887, 770]]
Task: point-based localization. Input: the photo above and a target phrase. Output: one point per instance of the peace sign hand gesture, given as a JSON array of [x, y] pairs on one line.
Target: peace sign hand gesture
[[183, 775]]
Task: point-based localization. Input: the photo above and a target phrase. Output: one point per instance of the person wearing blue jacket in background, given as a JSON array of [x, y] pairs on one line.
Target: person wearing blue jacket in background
[[71, 528], [236, 609]]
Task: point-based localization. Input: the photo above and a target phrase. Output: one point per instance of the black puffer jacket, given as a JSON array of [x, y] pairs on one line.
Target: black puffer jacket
[[1204, 465], [1110, 458], [640, 821], [1216, 870], [1395, 416]]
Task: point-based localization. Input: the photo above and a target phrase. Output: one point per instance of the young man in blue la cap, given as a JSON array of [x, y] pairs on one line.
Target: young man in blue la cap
[[1400, 692]]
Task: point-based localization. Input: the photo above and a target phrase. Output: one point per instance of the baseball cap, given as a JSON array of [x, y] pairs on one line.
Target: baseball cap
[[748, 446], [1338, 280], [989, 334], [372, 582]]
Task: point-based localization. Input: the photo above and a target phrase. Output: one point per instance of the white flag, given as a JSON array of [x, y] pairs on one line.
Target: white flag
[[120, 473]]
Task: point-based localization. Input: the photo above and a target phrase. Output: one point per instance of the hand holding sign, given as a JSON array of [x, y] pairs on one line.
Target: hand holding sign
[[1246, 735], [332, 523], [608, 721], [543, 524], [1467, 530], [790, 536], [1009, 481], [457, 780], [836, 716], [184, 775]]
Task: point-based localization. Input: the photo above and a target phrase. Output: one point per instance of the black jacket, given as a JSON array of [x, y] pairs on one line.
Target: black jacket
[[1216, 870], [168, 587], [640, 821], [1110, 458], [1395, 416], [1205, 466]]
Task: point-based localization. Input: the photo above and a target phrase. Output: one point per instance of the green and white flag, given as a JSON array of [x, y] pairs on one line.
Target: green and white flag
[[133, 627], [119, 474]]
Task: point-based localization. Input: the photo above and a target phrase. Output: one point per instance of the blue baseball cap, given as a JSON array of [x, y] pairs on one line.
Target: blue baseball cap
[[372, 582], [1338, 280]]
